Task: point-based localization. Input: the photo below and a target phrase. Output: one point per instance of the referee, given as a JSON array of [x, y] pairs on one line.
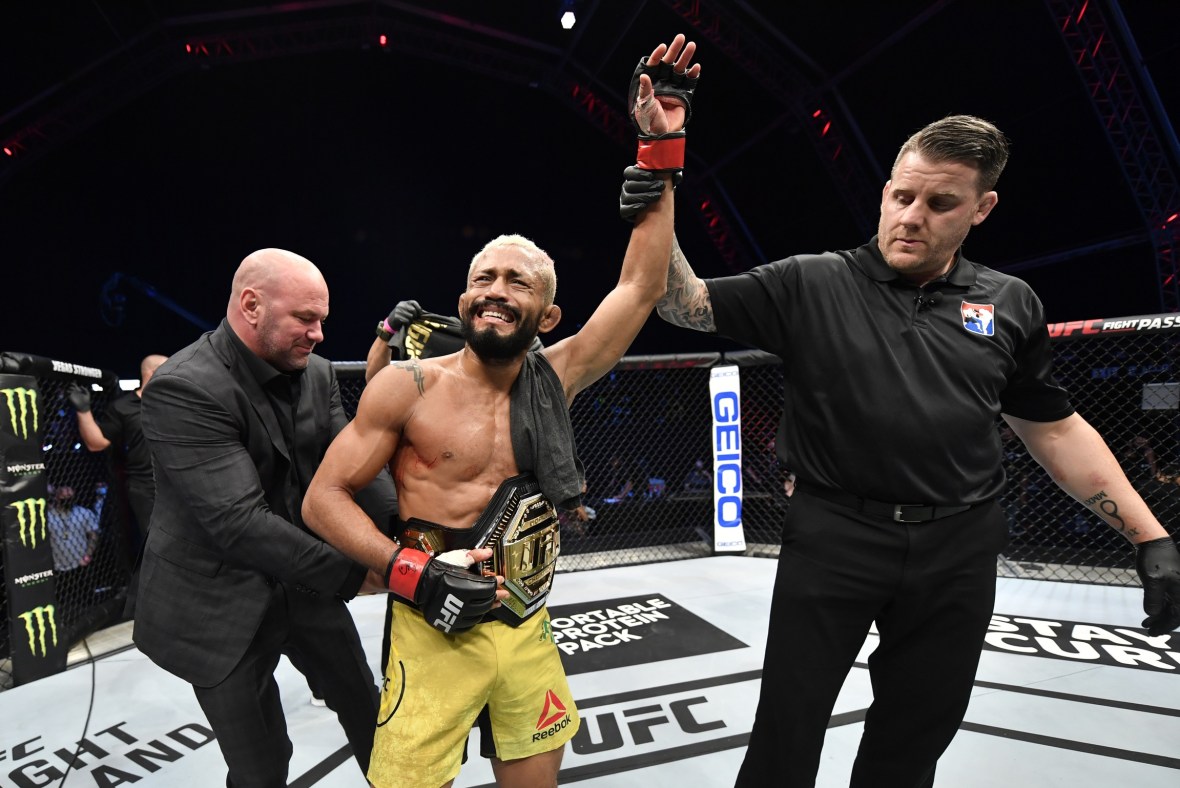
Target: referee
[[898, 359]]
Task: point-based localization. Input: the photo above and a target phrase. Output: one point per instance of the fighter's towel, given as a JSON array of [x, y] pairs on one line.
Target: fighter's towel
[[542, 436]]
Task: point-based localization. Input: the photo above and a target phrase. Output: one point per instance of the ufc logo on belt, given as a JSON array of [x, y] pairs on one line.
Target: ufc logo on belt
[[451, 609]]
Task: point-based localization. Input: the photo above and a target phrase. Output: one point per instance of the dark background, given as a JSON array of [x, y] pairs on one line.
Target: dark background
[[389, 167]]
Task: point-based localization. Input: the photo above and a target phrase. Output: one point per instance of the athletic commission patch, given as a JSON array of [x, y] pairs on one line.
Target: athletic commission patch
[[979, 318], [615, 633]]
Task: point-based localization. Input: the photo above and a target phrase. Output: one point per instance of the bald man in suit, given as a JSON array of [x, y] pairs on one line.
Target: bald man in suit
[[231, 578]]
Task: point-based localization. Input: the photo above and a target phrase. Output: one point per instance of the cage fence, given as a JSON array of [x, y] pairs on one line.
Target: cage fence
[[642, 430], [643, 435], [83, 514], [1125, 386]]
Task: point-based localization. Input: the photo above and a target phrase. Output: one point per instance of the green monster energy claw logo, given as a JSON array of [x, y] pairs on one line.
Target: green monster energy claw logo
[[30, 513], [22, 403], [39, 622]]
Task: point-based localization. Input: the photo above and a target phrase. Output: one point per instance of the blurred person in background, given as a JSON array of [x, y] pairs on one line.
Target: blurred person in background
[[118, 429]]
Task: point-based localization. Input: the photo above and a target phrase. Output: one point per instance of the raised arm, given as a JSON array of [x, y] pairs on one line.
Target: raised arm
[[660, 110], [686, 300], [381, 352], [378, 358], [88, 428]]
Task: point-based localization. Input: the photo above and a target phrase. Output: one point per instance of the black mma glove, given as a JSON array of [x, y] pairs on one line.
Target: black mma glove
[[403, 314], [1158, 564], [452, 598], [79, 398], [663, 153], [641, 188]]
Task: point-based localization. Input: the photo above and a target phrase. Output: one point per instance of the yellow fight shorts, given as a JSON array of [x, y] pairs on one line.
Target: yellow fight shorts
[[436, 685]]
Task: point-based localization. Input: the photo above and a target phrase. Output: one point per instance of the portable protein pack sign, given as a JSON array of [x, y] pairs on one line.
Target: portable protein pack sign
[[725, 404], [34, 623]]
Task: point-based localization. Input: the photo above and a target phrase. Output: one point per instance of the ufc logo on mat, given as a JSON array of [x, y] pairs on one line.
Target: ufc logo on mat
[[449, 613]]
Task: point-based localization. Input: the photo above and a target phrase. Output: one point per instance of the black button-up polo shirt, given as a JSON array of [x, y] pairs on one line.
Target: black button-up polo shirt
[[892, 391], [283, 390]]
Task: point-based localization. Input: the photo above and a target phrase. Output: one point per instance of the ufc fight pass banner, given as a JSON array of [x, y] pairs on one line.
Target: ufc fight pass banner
[[725, 395], [34, 621]]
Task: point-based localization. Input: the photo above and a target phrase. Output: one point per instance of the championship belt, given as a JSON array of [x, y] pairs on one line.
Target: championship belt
[[520, 526]]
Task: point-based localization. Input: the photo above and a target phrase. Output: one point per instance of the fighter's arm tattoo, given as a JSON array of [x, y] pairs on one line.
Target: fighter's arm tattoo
[[1102, 502], [686, 302], [414, 368]]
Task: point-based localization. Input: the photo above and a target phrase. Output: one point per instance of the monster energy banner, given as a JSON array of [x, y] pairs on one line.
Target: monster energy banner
[[36, 641]]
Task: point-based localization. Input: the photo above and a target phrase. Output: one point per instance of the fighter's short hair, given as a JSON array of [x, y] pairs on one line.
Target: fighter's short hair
[[535, 253]]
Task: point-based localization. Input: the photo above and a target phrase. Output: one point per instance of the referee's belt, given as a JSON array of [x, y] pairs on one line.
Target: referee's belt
[[897, 512], [520, 526]]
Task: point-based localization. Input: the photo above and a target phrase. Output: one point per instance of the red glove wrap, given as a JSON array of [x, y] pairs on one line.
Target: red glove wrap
[[405, 571], [662, 153]]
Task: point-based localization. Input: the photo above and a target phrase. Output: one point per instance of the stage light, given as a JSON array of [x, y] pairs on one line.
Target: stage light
[[383, 40], [8, 151], [568, 20]]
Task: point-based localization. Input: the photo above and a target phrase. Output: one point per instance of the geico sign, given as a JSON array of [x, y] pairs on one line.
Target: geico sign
[[727, 458]]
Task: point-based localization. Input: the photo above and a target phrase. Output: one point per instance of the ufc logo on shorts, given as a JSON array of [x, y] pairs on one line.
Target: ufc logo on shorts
[[449, 613]]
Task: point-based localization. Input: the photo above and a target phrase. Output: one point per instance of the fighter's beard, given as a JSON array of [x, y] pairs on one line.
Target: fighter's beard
[[492, 346]]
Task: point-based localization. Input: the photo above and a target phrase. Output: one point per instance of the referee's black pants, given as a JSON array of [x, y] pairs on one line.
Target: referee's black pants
[[930, 587]]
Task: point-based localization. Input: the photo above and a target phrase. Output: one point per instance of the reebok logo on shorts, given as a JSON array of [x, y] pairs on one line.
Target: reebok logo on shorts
[[553, 711], [553, 717]]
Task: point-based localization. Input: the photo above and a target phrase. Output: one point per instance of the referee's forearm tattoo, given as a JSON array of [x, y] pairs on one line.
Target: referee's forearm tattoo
[[1105, 504], [686, 302]]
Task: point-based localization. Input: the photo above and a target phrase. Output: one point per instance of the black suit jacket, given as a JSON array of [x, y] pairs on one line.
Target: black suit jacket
[[217, 543]]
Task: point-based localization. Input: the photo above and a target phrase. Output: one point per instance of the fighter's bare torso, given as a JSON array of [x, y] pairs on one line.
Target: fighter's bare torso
[[455, 445]]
